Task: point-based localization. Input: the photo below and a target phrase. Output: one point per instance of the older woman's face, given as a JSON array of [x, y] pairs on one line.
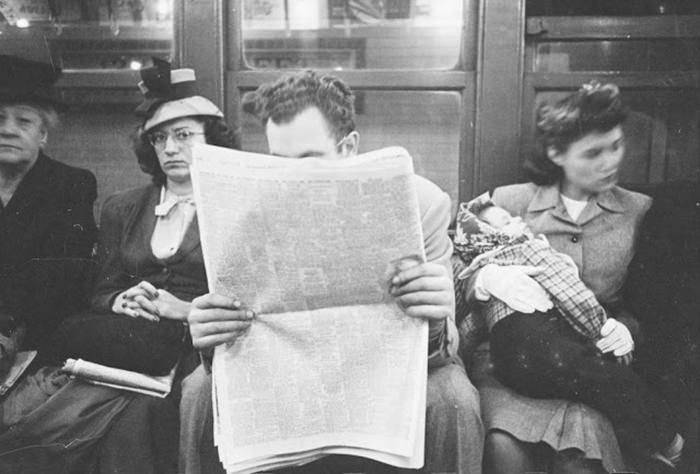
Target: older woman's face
[[22, 133], [173, 142], [591, 163]]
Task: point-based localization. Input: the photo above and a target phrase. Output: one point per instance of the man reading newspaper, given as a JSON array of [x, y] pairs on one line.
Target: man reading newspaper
[[311, 115]]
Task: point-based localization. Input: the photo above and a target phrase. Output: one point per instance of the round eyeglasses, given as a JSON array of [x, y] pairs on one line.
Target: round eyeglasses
[[182, 137]]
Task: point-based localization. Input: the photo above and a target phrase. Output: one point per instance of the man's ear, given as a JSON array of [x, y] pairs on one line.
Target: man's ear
[[351, 144], [554, 155]]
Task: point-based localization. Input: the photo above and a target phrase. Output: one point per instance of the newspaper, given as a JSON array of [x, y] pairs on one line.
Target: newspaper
[[331, 365], [97, 374]]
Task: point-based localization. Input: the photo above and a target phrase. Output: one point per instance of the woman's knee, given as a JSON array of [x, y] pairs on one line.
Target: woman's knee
[[197, 384], [573, 461], [505, 454], [500, 442], [196, 402], [451, 392]]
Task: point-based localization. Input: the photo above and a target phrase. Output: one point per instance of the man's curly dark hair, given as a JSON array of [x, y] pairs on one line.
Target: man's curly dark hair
[[594, 108], [216, 132], [283, 99]]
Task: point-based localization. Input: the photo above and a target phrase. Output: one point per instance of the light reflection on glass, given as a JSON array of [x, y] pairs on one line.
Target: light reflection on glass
[[352, 34], [82, 35]]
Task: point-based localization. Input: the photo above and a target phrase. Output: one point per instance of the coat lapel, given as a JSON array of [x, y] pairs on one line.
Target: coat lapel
[[33, 187], [148, 222], [546, 198], [190, 241], [604, 202]]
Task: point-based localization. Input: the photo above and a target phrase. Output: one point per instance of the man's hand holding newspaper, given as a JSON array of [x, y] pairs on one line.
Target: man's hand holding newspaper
[[422, 290], [217, 319]]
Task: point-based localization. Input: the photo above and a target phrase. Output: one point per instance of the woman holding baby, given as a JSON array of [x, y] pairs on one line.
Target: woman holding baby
[[573, 199]]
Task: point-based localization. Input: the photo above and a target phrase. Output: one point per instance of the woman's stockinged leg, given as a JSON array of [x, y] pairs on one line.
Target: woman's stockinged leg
[[504, 454], [572, 461]]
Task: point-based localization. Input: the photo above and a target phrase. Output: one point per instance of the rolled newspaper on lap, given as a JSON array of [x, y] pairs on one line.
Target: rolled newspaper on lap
[[122, 379]]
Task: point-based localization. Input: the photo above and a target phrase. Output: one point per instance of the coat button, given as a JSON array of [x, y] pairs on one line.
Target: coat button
[[574, 239]]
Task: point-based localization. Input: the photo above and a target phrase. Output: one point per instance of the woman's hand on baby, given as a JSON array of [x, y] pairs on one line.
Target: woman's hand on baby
[[625, 359], [514, 286], [615, 338], [138, 302], [216, 319]]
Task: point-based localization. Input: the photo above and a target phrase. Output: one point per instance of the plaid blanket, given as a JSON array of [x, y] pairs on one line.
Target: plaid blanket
[[477, 244]]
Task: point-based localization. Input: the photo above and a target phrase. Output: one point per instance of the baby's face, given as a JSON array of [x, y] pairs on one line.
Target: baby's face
[[499, 219], [496, 217]]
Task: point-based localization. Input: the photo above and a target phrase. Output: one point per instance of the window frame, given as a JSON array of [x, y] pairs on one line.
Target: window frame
[[93, 80], [461, 78], [606, 29]]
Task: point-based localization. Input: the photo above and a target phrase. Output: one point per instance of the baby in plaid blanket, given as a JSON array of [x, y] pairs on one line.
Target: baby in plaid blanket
[[486, 233], [553, 354]]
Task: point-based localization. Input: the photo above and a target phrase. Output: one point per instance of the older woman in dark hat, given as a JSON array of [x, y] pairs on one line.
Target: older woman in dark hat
[[47, 234], [47, 228]]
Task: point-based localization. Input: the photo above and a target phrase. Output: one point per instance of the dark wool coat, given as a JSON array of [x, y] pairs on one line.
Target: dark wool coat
[[47, 234], [125, 258], [663, 287]]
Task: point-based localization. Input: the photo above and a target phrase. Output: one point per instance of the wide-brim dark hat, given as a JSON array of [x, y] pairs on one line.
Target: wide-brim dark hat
[[171, 94], [23, 81]]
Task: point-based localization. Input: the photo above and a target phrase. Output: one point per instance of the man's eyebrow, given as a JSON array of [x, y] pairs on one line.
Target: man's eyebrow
[[310, 154], [306, 154]]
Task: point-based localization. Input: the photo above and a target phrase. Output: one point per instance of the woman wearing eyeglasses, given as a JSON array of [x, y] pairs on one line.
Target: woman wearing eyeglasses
[[157, 280], [151, 267], [148, 245]]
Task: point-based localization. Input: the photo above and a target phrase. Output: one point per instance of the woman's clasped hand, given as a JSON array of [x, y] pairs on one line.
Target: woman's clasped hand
[[146, 301]]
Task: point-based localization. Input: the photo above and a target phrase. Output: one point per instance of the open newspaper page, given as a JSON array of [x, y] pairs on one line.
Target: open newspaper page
[[331, 364]]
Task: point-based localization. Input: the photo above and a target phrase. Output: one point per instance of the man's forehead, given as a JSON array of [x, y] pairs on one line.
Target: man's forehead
[[309, 118], [307, 134]]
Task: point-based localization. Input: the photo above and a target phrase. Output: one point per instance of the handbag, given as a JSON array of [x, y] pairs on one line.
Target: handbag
[[122, 342]]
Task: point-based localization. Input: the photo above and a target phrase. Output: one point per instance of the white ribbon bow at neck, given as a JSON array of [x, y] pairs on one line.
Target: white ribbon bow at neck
[[164, 208]]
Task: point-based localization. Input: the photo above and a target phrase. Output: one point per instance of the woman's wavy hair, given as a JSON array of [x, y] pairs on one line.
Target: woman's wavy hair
[[284, 99], [594, 108], [216, 132]]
